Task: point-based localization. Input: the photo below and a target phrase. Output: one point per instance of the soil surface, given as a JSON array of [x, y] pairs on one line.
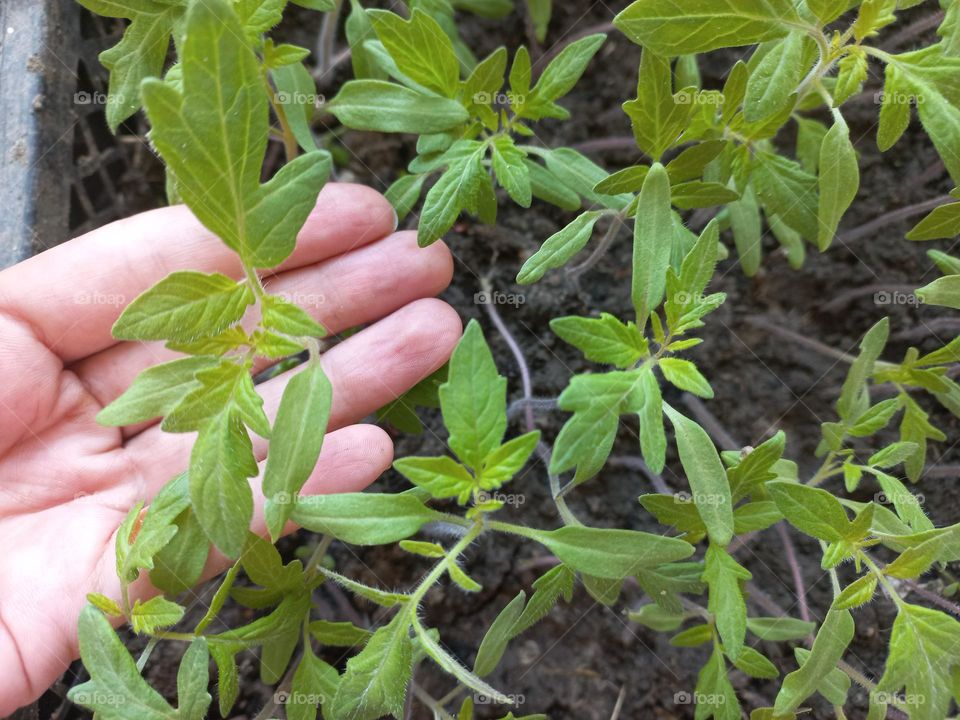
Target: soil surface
[[582, 657]]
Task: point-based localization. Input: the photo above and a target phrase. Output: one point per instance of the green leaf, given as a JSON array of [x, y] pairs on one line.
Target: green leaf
[[140, 54], [851, 75], [699, 194], [105, 604], [603, 340], [857, 593], [653, 437], [511, 170], [828, 647], [220, 463], [222, 388], [339, 634], [375, 681], [284, 316], [443, 477], [155, 391], [580, 174], [193, 700], [557, 250], [154, 533], [813, 511], [787, 190], [298, 434], [587, 437], [943, 291], [314, 685], [563, 72], [854, 395], [653, 229], [505, 462], [474, 400], [684, 375], [548, 589], [669, 30], [942, 222], [828, 10], [548, 187], [495, 641], [358, 29], [724, 576], [755, 665], [374, 595], [780, 629], [923, 648], [657, 118], [183, 306], [835, 684], [387, 107], [610, 553], [453, 666], [707, 478], [457, 188], [116, 690], [775, 77], [693, 636], [155, 613], [404, 193], [213, 137], [715, 696], [838, 181], [876, 418], [421, 49], [747, 230], [346, 516], [540, 12]]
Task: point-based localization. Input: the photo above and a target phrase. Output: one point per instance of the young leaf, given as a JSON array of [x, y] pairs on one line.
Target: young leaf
[[811, 510], [857, 593], [314, 685], [656, 117], [707, 478], [443, 477], [456, 189], [609, 553], [780, 629], [511, 170], [346, 516], [839, 179], [603, 340], [775, 77], [723, 576], [155, 391], [494, 642], [828, 647], [507, 460], [421, 49], [922, 652], [221, 461], [184, 306], [684, 375], [653, 230], [557, 249], [375, 681], [747, 230], [213, 136], [942, 222], [715, 696], [387, 107], [653, 437], [297, 438], [155, 613], [193, 700], [115, 689], [474, 399], [563, 72], [669, 30]]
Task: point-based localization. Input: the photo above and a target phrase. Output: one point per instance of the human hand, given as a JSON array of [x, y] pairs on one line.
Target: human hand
[[66, 482]]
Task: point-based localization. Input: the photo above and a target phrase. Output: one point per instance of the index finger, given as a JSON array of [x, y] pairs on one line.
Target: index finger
[[70, 295]]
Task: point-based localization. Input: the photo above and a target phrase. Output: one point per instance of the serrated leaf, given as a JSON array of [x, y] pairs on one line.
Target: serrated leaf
[[706, 476], [684, 375], [557, 249], [603, 340], [813, 511], [155, 613], [421, 49], [775, 77], [723, 576], [669, 30], [442, 477], [298, 434]]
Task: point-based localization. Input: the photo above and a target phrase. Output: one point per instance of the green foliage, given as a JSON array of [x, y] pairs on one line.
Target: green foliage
[[211, 114]]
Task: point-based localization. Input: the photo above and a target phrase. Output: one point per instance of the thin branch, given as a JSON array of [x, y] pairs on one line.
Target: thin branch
[[881, 222], [635, 463], [616, 222], [800, 588], [932, 597], [819, 347], [845, 298], [709, 422]]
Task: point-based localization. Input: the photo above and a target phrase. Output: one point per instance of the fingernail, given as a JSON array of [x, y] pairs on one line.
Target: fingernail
[[396, 218]]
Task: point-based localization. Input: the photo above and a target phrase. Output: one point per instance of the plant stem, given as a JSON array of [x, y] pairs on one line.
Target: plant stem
[[791, 556]]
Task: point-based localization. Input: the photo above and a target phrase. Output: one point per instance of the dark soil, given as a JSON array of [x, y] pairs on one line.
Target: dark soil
[[575, 663]]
